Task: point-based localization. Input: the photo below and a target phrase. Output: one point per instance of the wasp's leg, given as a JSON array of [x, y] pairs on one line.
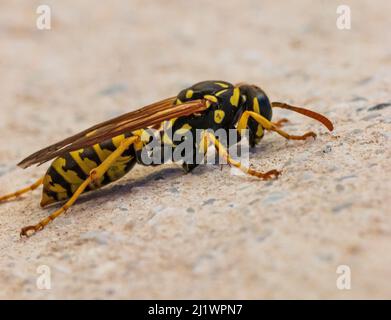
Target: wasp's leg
[[198, 157], [280, 123], [200, 151], [18, 193], [94, 176], [224, 153], [242, 124]]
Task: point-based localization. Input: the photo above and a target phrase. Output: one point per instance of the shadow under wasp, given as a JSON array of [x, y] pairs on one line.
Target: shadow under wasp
[[105, 152]]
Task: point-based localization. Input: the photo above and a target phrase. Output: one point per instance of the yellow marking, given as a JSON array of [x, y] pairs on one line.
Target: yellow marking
[[62, 196], [85, 164], [118, 168], [70, 176], [46, 199], [185, 128], [210, 98], [219, 116], [178, 101], [221, 92], [54, 187], [138, 132], [102, 154], [256, 105], [117, 140], [259, 131], [139, 143], [235, 97], [166, 127], [144, 136], [47, 180], [223, 85], [167, 140], [189, 94]]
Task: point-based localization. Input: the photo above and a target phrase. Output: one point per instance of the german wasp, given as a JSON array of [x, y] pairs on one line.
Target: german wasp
[[107, 151]]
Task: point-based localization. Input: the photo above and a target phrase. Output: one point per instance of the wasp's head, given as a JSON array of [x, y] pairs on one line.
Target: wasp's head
[[257, 101]]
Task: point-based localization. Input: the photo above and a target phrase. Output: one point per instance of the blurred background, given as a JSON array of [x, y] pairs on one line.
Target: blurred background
[[101, 59]]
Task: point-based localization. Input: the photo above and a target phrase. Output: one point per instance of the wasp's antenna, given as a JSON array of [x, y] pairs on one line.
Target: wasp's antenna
[[314, 115]]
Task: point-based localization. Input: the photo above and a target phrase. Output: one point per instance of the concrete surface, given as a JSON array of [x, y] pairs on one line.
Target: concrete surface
[[161, 234]]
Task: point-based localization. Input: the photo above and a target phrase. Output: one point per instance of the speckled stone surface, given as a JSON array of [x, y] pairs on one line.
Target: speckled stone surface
[[161, 234]]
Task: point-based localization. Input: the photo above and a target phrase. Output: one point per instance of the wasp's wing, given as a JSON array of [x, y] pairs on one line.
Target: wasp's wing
[[142, 118]]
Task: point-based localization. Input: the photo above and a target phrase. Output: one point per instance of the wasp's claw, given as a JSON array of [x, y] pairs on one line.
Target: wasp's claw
[[265, 176], [30, 230], [271, 174], [309, 134]]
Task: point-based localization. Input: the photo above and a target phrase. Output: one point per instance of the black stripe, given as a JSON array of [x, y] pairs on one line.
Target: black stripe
[[71, 164], [106, 179], [90, 154], [108, 145], [58, 179], [51, 194]]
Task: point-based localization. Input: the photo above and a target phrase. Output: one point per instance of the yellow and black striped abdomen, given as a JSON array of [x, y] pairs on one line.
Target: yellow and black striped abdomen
[[68, 172]]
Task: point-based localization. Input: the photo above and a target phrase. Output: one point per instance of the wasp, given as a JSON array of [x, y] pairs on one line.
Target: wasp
[[107, 151]]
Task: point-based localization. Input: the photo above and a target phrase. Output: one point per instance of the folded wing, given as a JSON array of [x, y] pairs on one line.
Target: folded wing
[[142, 118]]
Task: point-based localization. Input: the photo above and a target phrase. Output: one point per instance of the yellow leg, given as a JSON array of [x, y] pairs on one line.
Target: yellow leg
[[242, 124], [94, 176], [224, 153], [18, 193]]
